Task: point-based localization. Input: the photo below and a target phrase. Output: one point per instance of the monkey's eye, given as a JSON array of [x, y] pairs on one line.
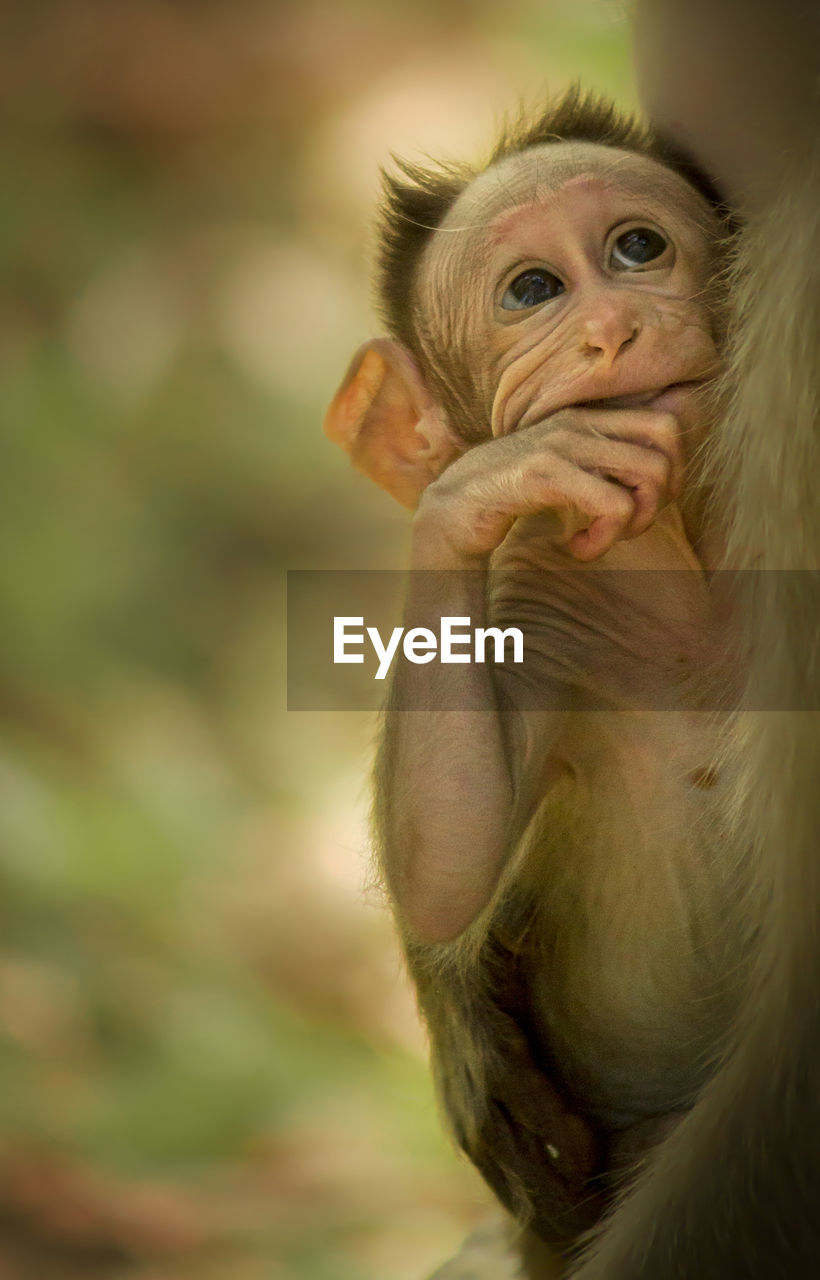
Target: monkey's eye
[[530, 289], [637, 247]]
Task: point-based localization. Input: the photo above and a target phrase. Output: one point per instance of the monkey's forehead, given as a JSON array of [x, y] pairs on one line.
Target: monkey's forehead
[[538, 174]]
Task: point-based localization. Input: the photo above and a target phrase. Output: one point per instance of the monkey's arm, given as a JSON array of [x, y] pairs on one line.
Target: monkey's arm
[[456, 794]]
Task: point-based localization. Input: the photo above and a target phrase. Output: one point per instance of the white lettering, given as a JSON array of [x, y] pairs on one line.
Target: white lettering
[[449, 638], [420, 645], [341, 639], [384, 654], [499, 636]]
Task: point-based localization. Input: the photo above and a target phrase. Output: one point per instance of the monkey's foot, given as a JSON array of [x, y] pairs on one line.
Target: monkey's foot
[[493, 1252], [489, 1253]]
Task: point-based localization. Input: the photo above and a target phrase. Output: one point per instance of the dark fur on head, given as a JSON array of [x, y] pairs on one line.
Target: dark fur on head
[[417, 199]]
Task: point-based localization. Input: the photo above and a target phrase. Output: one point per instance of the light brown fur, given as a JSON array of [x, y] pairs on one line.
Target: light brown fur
[[742, 1173]]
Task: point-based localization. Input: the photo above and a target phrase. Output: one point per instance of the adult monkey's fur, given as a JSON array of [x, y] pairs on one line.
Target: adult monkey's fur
[[735, 1191]]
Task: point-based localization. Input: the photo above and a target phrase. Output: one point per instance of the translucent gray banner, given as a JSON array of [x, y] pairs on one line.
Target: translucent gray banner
[[581, 638]]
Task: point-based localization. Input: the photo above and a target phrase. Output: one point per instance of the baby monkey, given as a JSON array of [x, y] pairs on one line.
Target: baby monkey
[[553, 844]]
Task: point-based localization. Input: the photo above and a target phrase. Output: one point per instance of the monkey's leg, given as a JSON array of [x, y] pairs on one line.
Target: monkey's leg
[[506, 1110]]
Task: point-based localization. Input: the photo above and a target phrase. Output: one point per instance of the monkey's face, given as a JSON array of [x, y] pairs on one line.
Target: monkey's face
[[573, 274]]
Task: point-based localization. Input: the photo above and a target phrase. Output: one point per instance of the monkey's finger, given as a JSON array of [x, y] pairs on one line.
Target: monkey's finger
[[648, 430], [479, 514], [594, 513], [644, 471], [591, 543]]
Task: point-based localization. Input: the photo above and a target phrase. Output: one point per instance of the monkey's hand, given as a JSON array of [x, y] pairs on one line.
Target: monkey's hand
[[537, 1154], [603, 474]]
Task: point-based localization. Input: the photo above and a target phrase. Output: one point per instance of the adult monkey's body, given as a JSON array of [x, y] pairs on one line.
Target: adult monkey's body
[[711, 1204], [735, 1190]]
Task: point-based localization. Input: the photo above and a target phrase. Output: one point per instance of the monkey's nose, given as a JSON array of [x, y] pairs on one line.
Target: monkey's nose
[[608, 332]]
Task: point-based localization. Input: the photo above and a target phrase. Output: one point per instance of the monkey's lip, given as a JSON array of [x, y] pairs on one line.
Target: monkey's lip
[[669, 398], [659, 398]]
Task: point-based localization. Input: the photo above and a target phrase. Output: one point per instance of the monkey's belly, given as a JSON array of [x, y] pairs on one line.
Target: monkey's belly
[[633, 986]]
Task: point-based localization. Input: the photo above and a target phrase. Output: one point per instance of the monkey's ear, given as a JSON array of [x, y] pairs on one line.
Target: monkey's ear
[[385, 418]]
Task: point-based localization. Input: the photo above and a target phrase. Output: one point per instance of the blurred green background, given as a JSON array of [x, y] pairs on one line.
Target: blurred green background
[[210, 1064]]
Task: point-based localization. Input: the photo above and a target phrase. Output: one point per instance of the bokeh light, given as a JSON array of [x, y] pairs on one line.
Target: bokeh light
[[210, 1063]]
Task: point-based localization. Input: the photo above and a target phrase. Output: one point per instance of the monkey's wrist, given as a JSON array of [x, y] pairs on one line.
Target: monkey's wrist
[[434, 547]]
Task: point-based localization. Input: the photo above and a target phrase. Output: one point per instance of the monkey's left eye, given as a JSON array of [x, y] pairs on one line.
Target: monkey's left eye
[[637, 247], [530, 289]]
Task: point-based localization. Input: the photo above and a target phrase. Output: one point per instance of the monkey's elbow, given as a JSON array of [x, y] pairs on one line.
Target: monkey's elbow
[[434, 928], [435, 917]]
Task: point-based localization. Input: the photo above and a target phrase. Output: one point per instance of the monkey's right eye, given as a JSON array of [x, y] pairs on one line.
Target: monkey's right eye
[[530, 289]]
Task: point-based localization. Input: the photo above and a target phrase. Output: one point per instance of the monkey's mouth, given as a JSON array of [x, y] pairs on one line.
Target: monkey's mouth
[[659, 398], [670, 398]]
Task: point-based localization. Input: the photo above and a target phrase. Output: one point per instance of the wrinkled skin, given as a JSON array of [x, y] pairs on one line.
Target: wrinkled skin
[[616, 329]]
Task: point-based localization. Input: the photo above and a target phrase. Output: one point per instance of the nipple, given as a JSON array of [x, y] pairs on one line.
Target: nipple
[[704, 778]]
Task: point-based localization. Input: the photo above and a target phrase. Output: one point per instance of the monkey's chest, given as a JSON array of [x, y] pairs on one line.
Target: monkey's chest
[[638, 937]]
